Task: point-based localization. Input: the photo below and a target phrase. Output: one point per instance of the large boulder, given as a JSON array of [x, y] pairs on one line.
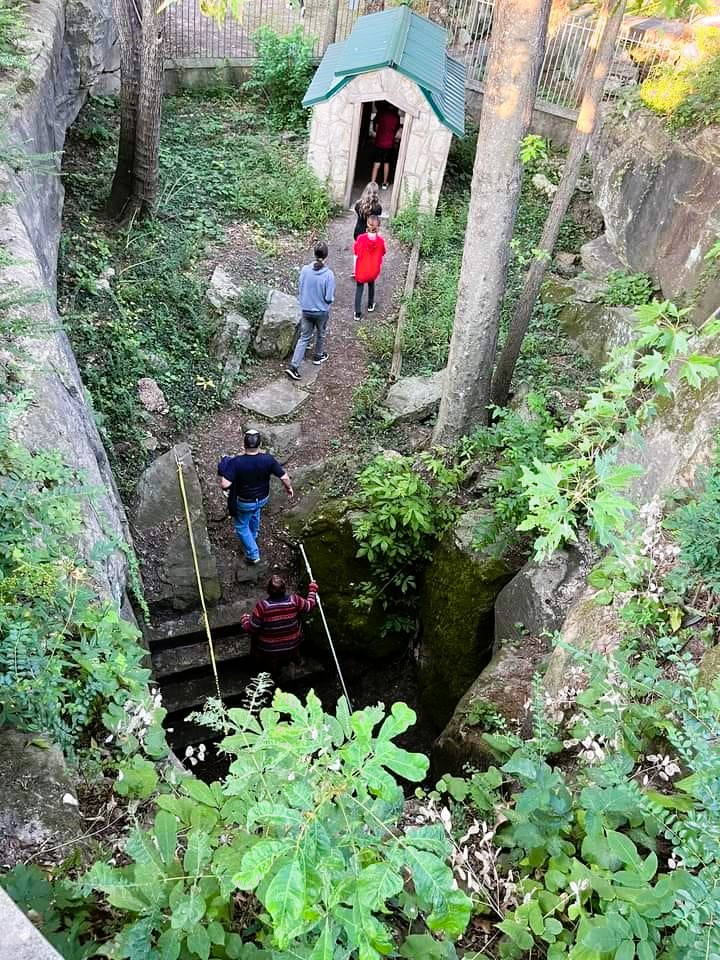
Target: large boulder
[[162, 538], [279, 326], [456, 613], [497, 698], [222, 292], [598, 258], [38, 806], [538, 597], [594, 325], [660, 198], [413, 399]]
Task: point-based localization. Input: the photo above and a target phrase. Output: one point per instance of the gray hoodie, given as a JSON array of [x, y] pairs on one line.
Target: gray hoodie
[[317, 289]]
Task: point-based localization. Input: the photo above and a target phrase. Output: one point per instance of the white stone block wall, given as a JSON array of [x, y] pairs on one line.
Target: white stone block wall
[[331, 150]]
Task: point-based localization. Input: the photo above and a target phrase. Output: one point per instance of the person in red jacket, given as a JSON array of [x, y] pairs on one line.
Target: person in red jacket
[[274, 625], [387, 130], [369, 250]]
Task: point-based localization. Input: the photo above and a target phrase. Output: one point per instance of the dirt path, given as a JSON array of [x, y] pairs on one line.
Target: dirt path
[[323, 418]]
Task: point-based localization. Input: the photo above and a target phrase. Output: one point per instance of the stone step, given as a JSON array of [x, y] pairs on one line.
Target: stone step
[[192, 657], [276, 400], [184, 630]]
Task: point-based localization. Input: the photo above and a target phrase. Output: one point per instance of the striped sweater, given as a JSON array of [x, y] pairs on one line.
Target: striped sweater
[[274, 624]]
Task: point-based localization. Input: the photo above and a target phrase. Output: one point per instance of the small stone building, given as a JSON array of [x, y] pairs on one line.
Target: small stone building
[[398, 57]]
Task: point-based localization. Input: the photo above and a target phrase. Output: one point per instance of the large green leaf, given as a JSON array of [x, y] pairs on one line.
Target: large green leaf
[[168, 944], [189, 910], [623, 848], [198, 852], [199, 791], [198, 942], [284, 900], [376, 884], [400, 719], [257, 862], [166, 835], [410, 766]]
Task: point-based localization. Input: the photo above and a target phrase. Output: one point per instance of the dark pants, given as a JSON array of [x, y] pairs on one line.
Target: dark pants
[[359, 294]]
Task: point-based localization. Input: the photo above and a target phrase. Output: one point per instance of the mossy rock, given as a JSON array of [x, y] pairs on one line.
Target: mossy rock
[[461, 584], [595, 326], [325, 529]]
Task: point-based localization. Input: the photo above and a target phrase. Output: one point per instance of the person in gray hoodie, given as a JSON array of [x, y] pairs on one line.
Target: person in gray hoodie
[[316, 294]]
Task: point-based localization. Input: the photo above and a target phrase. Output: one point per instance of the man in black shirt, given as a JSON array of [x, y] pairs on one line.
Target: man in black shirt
[[247, 481]]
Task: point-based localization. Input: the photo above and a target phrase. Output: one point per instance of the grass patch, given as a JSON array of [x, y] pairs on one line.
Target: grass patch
[[12, 31], [133, 299], [688, 94]]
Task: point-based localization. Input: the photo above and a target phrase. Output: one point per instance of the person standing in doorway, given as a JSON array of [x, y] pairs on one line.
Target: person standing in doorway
[[246, 478], [387, 130], [369, 203], [274, 625], [316, 292], [369, 250]]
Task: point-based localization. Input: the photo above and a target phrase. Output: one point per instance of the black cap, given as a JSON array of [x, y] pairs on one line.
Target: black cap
[[251, 439]]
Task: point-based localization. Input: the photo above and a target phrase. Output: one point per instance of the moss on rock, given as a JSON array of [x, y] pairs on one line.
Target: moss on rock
[[325, 529], [461, 584]]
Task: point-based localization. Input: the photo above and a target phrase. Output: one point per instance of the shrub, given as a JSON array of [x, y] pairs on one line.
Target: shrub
[[12, 31], [407, 505], [628, 289], [281, 75], [688, 94]]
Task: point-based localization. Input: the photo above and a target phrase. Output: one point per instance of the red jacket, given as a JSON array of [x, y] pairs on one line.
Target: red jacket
[[369, 255], [275, 624]]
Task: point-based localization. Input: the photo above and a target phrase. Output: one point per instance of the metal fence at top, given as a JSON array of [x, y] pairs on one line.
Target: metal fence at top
[[568, 58], [566, 67]]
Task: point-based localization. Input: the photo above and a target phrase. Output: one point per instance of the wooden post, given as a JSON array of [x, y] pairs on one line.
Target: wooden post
[[396, 364]]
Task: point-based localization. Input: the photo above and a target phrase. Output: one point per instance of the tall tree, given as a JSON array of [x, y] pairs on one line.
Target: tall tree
[[140, 32], [603, 41], [517, 46]]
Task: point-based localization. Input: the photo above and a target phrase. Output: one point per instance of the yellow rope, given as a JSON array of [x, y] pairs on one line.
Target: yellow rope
[[181, 481]]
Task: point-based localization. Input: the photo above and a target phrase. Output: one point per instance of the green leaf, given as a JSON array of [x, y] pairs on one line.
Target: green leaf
[[377, 884], [198, 942], [602, 937], [166, 835], [256, 863], [626, 950], [623, 848], [189, 911], [410, 766], [519, 935], [169, 944], [284, 900], [199, 791], [216, 932], [198, 852]]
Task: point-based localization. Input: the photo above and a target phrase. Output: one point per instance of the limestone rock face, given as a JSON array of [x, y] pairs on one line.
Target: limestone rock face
[[501, 688], [162, 537], [278, 327], [22, 939], [33, 782], [456, 614], [598, 259], [413, 399], [538, 597], [596, 327], [69, 44], [660, 198]]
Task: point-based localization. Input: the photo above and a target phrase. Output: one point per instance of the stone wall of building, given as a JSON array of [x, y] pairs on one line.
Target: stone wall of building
[[330, 152]]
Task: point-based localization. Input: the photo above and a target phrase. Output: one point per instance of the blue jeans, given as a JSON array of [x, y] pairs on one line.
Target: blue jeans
[[311, 323], [247, 525]]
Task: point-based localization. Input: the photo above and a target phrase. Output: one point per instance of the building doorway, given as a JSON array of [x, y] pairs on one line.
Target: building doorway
[[369, 120]]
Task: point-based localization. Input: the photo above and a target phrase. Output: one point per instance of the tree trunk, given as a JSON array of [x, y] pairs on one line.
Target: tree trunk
[[604, 42], [147, 141], [129, 29], [517, 45]]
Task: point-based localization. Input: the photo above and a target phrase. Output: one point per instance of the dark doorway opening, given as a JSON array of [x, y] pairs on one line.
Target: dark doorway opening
[[366, 154]]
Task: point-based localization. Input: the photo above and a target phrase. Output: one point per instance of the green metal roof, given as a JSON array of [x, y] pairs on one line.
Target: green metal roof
[[410, 44]]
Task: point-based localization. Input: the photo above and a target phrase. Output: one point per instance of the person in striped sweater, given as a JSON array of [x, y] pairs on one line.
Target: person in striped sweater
[[274, 625]]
